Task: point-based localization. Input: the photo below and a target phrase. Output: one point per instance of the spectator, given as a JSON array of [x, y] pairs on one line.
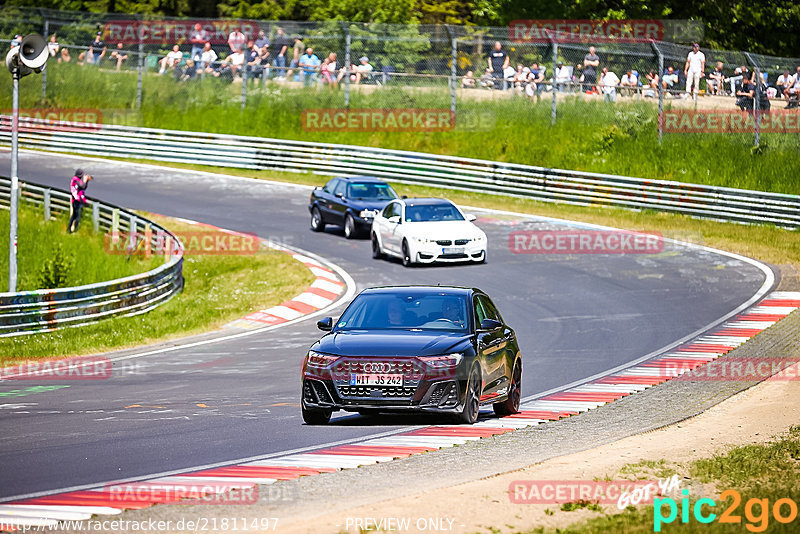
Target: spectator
[[236, 40], [608, 82], [590, 62], [16, 41], [254, 66], [536, 78], [64, 57], [81, 58], [52, 46], [468, 81], [364, 70], [97, 50], [694, 70], [629, 83], [231, 65], [520, 78], [309, 62], [745, 95], [189, 73], [670, 79], [577, 76], [563, 77], [281, 46], [198, 38], [207, 59], [119, 56], [329, 70], [715, 80], [652, 84], [783, 84], [487, 80], [262, 41], [297, 51], [498, 63], [77, 199], [171, 60], [508, 76]]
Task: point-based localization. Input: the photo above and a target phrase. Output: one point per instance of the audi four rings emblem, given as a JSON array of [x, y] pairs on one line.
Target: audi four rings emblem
[[377, 367]]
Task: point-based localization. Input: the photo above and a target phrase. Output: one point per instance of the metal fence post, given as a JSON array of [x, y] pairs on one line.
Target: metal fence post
[[660, 58], [46, 204], [453, 69], [140, 73], [554, 42], [44, 71], [346, 63], [756, 99], [96, 216], [244, 86], [132, 232]]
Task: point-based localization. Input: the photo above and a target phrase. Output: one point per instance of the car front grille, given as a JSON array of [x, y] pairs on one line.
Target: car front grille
[[411, 370], [453, 256], [462, 241], [444, 394], [444, 242]]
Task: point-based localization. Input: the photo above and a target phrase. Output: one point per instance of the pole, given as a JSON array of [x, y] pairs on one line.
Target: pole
[[244, 85], [555, 87], [44, 71], [346, 63], [12, 229], [660, 91], [453, 70]]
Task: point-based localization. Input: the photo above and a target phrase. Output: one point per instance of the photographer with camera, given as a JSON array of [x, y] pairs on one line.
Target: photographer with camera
[[77, 188]]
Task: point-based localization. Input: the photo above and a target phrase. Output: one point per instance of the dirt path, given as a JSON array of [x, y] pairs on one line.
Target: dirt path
[[753, 416]]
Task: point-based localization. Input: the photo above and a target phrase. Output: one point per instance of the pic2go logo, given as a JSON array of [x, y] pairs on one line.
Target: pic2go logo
[[756, 511]]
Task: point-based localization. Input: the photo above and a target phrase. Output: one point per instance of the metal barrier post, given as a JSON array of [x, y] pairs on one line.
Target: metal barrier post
[[47, 204], [346, 63], [115, 226], [96, 215], [139, 74], [244, 86], [660, 57], [132, 232]]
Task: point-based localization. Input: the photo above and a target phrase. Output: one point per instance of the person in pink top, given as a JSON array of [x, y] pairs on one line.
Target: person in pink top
[[77, 198]]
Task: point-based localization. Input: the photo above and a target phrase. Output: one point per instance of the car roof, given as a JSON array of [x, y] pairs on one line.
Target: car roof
[[425, 201], [362, 179], [431, 290]]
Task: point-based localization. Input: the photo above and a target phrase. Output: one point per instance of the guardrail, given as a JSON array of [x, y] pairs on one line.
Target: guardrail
[[43, 310], [545, 184]]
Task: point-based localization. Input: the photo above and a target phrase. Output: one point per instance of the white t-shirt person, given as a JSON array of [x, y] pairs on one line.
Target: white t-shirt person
[[696, 61]]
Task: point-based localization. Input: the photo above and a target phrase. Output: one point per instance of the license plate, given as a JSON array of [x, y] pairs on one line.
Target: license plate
[[376, 380], [453, 250]]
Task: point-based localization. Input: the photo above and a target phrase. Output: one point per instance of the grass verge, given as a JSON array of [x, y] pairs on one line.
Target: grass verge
[[217, 290], [82, 255], [764, 472], [589, 135]]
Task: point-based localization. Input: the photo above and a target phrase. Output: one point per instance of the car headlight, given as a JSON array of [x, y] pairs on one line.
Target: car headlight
[[368, 214], [319, 361], [445, 361]]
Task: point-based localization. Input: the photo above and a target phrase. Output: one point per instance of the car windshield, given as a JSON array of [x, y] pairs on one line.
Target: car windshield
[[407, 310], [371, 191], [432, 212]]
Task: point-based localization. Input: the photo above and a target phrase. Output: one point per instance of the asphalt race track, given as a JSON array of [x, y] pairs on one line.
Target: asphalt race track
[[575, 316]]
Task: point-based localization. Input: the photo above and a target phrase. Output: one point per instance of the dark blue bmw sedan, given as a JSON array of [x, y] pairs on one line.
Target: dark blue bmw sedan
[[414, 348], [351, 203]]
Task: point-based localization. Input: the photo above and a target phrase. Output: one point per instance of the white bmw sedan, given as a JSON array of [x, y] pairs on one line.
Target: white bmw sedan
[[427, 230]]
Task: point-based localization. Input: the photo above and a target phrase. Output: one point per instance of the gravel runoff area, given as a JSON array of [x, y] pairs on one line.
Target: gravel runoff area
[[298, 502]]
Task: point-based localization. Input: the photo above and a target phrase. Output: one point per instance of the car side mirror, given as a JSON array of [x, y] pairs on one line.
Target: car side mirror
[[470, 217], [326, 324], [490, 324], [339, 195], [394, 219]]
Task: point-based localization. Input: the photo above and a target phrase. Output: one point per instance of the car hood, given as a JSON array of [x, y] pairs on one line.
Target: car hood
[[391, 343], [443, 230]]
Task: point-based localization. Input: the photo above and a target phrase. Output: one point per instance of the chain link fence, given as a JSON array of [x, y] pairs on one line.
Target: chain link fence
[[175, 73]]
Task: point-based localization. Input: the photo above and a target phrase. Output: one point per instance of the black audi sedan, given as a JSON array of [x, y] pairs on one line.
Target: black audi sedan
[[414, 349], [349, 202]]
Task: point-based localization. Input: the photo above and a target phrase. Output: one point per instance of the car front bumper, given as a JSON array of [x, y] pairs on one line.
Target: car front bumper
[[432, 253]]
